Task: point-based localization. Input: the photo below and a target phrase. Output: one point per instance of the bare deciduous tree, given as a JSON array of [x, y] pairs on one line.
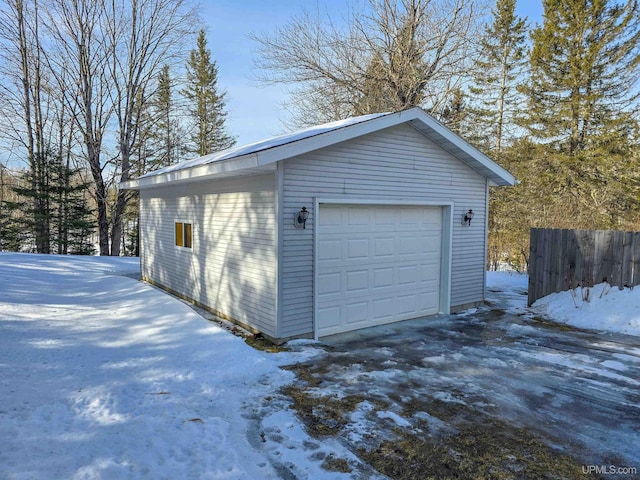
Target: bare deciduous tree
[[76, 28], [145, 34], [22, 62], [113, 50], [392, 55]]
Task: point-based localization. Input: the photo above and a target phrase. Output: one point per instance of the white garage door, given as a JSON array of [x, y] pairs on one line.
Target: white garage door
[[376, 264]]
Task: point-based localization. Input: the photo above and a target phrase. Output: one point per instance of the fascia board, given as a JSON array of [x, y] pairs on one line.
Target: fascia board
[[196, 173]]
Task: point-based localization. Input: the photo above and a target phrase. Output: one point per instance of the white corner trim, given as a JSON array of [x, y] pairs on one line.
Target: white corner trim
[[446, 261], [314, 300], [279, 244]]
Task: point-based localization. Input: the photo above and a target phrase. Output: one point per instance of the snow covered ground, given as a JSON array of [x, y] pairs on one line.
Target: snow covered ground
[[602, 307], [105, 377]]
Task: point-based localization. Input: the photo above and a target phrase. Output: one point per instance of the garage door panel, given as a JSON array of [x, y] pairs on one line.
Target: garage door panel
[[382, 277], [384, 217], [356, 312], [329, 283], [331, 218], [410, 245], [411, 216], [357, 281], [408, 303], [427, 271], [428, 301], [384, 246], [329, 250], [329, 317], [376, 264], [383, 308], [357, 248], [408, 275]]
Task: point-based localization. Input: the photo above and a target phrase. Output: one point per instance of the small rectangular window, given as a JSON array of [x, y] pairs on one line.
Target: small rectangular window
[[184, 235], [187, 235], [179, 235]]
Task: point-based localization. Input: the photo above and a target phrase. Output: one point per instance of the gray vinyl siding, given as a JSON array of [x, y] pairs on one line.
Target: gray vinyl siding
[[232, 265], [396, 164]]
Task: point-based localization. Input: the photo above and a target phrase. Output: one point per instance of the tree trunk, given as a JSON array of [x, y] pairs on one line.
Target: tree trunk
[[116, 223], [121, 200], [34, 155], [93, 158]]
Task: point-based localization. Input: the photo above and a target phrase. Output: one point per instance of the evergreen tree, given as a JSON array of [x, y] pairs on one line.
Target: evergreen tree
[[68, 213], [72, 218], [208, 102], [143, 152], [11, 235], [165, 132], [375, 95], [454, 114], [32, 208], [497, 70], [584, 69], [163, 105]]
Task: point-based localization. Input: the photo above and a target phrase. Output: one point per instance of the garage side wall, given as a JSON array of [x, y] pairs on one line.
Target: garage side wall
[[393, 164], [232, 265]]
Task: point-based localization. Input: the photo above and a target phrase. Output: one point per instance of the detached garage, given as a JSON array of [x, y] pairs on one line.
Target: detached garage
[[343, 226]]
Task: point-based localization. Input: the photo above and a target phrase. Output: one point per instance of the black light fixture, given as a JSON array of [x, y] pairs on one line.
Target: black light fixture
[[300, 218], [468, 217]]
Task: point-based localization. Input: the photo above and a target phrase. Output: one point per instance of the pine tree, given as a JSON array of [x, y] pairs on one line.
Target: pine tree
[[67, 212], [162, 107], [32, 209], [497, 70], [454, 114], [582, 99], [584, 68], [72, 218], [164, 129], [11, 235], [208, 102]]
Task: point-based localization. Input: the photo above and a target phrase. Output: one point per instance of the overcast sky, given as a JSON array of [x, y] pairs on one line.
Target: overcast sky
[[255, 112]]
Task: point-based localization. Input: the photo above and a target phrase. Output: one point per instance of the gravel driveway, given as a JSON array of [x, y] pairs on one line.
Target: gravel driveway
[[492, 392]]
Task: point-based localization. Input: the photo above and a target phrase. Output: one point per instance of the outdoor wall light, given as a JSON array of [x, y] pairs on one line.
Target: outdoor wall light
[[300, 218], [467, 217]]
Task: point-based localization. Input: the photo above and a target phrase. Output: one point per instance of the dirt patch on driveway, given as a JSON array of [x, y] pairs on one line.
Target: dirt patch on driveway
[[473, 444], [476, 396]]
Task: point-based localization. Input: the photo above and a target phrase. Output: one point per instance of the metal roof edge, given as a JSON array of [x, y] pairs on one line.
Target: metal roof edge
[[315, 142]]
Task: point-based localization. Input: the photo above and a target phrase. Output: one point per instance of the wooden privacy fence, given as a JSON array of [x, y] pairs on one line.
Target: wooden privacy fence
[[560, 260]]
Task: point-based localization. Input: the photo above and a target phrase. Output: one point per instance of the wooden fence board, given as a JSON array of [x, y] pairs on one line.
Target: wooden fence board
[[636, 258], [616, 262], [561, 260], [627, 260], [533, 262]]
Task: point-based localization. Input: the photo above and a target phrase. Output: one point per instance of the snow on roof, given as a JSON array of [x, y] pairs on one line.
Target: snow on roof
[[261, 145]]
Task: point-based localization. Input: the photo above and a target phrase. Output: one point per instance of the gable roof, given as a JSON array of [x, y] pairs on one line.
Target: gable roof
[[261, 157]]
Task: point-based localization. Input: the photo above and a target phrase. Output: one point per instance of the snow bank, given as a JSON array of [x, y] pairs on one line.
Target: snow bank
[[607, 308]]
